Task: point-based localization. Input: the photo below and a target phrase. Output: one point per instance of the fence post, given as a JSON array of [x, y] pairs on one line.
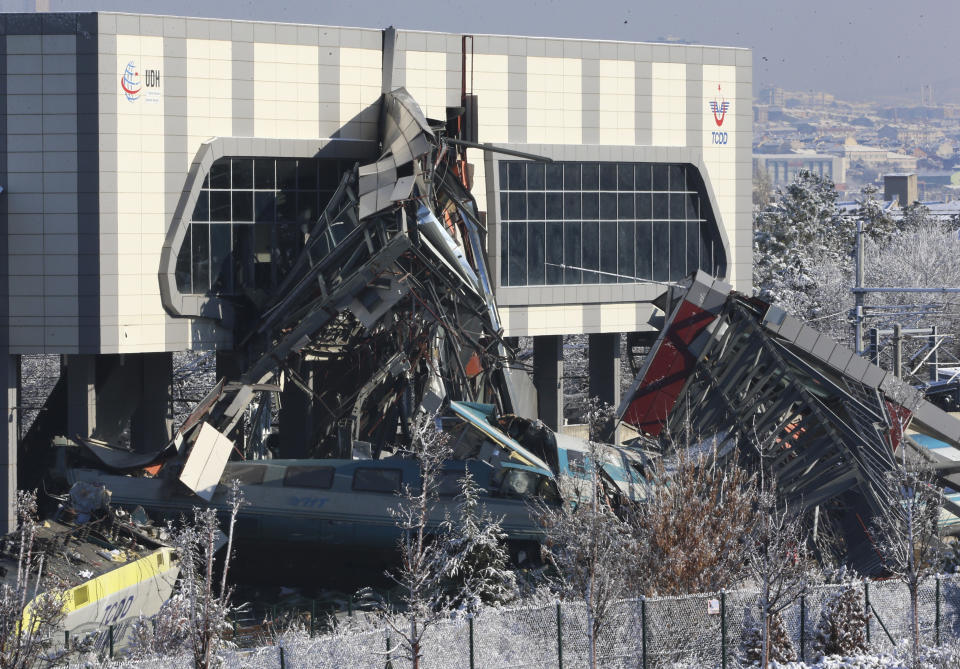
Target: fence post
[[803, 625], [389, 664], [559, 637], [936, 620], [866, 600], [66, 639], [283, 663], [110, 637], [723, 629], [470, 620], [313, 616], [643, 630]]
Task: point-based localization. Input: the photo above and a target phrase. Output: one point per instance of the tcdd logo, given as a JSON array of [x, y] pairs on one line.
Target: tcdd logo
[[130, 82], [719, 108]]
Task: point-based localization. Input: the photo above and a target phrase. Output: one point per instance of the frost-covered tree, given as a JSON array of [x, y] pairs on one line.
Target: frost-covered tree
[[31, 602], [423, 560], [754, 651], [776, 561], [689, 530], [197, 618], [590, 546], [477, 564], [842, 628]]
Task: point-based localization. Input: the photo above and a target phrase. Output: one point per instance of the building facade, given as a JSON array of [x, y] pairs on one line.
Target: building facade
[[154, 166]]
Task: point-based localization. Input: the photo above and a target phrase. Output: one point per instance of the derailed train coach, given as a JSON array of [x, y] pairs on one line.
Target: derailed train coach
[[754, 382]]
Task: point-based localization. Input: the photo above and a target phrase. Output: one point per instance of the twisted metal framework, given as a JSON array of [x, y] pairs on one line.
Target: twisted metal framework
[[741, 376]]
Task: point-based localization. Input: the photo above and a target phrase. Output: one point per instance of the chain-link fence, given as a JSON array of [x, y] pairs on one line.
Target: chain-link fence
[[693, 631]]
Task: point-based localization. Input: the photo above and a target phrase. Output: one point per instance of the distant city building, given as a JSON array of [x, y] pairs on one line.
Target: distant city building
[[873, 156], [901, 187], [782, 168]]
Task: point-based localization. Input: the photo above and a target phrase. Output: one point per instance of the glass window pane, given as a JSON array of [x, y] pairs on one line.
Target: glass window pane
[[678, 250], [536, 255], [661, 251], [677, 208], [245, 473], [504, 210], [554, 180], [201, 212], [376, 480], [220, 205], [535, 178], [263, 173], [572, 250], [554, 255], [502, 171], [608, 251], [660, 177], [308, 477], [642, 175], [555, 206], [706, 250], [644, 205], [206, 181], [200, 250], [643, 254], [184, 284], [220, 264], [608, 206], [330, 173], [242, 205], [693, 246], [571, 206], [220, 173], [518, 253], [693, 206], [535, 206], [625, 176], [518, 206], [289, 241], [608, 176], [661, 205], [242, 173], [243, 278], [307, 174], [286, 174], [517, 179], [504, 253], [571, 176], [591, 251], [263, 255], [677, 180], [265, 207], [625, 206], [591, 176], [287, 206], [626, 243], [307, 209], [591, 206]]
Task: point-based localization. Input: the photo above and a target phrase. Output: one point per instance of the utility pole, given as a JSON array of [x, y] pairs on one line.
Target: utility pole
[[858, 295]]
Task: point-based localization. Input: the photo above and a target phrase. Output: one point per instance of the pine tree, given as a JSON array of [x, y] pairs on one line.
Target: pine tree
[[477, 569], [842, 629], [751, 641]]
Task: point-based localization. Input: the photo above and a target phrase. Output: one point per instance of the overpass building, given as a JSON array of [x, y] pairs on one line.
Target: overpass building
[[156, 169]]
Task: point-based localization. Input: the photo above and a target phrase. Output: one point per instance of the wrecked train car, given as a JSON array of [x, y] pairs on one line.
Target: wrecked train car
[[744, 377]]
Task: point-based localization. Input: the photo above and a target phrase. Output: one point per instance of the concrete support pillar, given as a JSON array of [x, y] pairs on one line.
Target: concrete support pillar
[[548, 379], [81, 373], [296, 417], [151, 423], [11, 372], [603, 369]]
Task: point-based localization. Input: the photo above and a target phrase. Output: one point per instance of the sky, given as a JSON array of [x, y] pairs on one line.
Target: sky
[[877, 50]]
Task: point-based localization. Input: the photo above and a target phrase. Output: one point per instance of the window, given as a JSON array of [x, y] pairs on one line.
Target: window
[[373, 479], [246, 474], [448, 484], [308, 477], [580, 223], [246, 222]]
